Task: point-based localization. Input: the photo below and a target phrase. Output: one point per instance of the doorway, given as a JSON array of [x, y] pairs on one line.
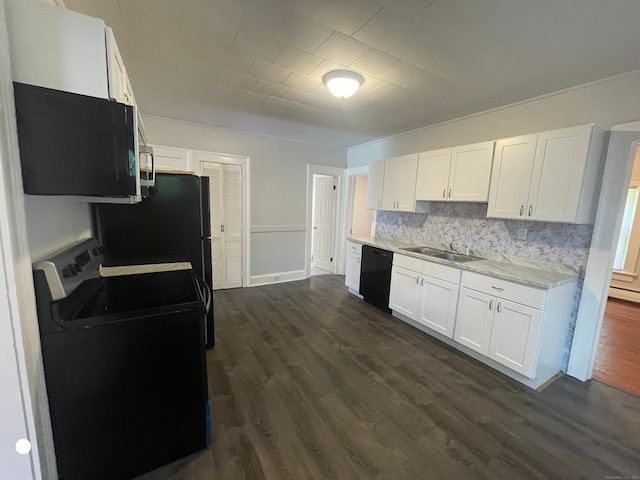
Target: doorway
[[324, 245], [360, 218], [323, 209], [617, 359]]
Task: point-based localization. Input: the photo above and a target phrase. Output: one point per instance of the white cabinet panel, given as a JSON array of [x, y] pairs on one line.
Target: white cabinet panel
[[405, 292], [171, 158], [511, 177], [514, 337], [352, 277], [398, 192], [432, 181], [470, 173], [475, 320], [374, 185], [438, 305]]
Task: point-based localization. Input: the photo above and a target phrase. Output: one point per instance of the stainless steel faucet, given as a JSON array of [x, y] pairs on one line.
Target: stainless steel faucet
[[451, 249]]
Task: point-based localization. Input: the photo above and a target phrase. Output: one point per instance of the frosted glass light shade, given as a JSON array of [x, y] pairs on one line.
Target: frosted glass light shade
[[343, 83]]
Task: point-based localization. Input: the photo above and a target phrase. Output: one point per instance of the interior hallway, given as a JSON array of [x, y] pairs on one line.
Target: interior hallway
[[618, 356]]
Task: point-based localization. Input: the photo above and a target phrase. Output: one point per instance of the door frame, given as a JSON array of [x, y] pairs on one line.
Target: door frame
[[246, 198], [623, 141], [351, 174], [338, 247]]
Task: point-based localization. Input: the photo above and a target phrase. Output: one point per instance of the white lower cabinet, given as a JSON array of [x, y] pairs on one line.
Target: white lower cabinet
[[354, 257], [425, 292], [517, 329]]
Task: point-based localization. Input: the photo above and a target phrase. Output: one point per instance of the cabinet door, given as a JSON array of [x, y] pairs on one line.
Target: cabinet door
[[352, 278], [470, 173], [433, 175], [511, 177], [171, 158], [514, 337], [437, 306], [558, 172], [392, 172], [475, 320], [406, 183], [115, 70], [374, 185], [405, 292]]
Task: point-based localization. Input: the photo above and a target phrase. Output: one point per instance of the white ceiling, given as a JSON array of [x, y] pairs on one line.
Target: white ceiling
[[257, 65]]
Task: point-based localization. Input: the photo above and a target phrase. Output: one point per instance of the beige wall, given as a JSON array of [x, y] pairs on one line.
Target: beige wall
[[361, 217]]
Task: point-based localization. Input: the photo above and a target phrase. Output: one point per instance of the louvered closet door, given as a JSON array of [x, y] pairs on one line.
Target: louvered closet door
[[232, 235], [226, 223]]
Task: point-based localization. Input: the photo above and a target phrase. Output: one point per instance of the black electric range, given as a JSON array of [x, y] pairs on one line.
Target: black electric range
[[124, 360]]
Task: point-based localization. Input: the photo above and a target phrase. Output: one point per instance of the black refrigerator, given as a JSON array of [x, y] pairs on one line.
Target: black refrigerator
[[172, 224]]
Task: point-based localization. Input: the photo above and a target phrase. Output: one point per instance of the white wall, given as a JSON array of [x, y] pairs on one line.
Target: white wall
[[278, 177], [605, 103]]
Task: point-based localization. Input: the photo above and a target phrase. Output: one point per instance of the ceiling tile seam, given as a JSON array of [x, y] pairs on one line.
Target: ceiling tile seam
[[204, 125]]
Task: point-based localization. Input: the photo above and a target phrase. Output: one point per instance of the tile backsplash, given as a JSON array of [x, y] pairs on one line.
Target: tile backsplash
[[467, 225]]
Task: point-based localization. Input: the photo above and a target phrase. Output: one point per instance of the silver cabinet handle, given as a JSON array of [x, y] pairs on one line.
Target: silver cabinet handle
[[498, 289], [422, 282], [521, 210], [444, 193], [491, 305], [378, 204], [417, 280], [358, 259], [530, 209], [499, 308], [449, 193]]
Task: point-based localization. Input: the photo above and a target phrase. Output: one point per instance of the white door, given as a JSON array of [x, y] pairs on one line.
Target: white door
[[470, 173], [405, 292], [438, 302], [322, 240], [561, 156], [514, 338], [225, 196], [433, 175], [511, 177], [475, 320], [375, 185], [171, 158]]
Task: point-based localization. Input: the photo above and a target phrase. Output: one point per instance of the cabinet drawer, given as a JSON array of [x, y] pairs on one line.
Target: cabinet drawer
[[441, 272], [353, 247], [532, 297], [409, 263]]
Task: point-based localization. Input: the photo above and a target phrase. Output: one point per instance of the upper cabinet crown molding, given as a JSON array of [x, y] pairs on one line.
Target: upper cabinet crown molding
[[459, 174], [551, 176]]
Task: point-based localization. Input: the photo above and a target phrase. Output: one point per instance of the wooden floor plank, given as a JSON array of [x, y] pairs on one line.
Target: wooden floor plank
[[617, 360], [309, 382]]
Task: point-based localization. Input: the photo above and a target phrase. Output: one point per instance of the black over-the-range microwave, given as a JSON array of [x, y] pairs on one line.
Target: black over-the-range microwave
[[77, 145]]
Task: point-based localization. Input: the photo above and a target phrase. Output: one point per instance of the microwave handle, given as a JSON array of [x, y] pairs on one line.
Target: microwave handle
[[151, 181]]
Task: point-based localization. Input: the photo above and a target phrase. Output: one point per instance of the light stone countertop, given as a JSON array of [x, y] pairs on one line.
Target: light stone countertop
[[138, 269], [532, 273]]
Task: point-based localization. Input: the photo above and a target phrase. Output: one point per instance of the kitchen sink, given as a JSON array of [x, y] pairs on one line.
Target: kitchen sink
[[423, 250], [455, 257], [445, 255]]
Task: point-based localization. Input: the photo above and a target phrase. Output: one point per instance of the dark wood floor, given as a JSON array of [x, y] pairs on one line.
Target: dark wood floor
[[308, 382], [618, 356]]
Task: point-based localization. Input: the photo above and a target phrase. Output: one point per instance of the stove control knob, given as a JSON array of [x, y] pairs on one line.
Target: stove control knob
[[99, 250], [67, 272], [75, 268]]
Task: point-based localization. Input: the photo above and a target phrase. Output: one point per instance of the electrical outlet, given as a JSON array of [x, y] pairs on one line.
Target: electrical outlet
[[399, 220], [522, 234]]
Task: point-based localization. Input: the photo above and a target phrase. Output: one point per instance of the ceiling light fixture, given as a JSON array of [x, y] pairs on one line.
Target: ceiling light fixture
[[343, 83]]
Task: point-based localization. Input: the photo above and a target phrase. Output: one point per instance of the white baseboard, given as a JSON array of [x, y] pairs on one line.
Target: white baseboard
[[280, 277]]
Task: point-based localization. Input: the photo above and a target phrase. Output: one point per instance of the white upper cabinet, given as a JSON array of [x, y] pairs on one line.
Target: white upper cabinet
[[399, 187], [374, 185], [459, 174], [119, 85], [551, 176], [172, 159]]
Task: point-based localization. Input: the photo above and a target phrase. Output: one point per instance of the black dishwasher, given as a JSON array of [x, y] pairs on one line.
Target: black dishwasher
[[375, 276]]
